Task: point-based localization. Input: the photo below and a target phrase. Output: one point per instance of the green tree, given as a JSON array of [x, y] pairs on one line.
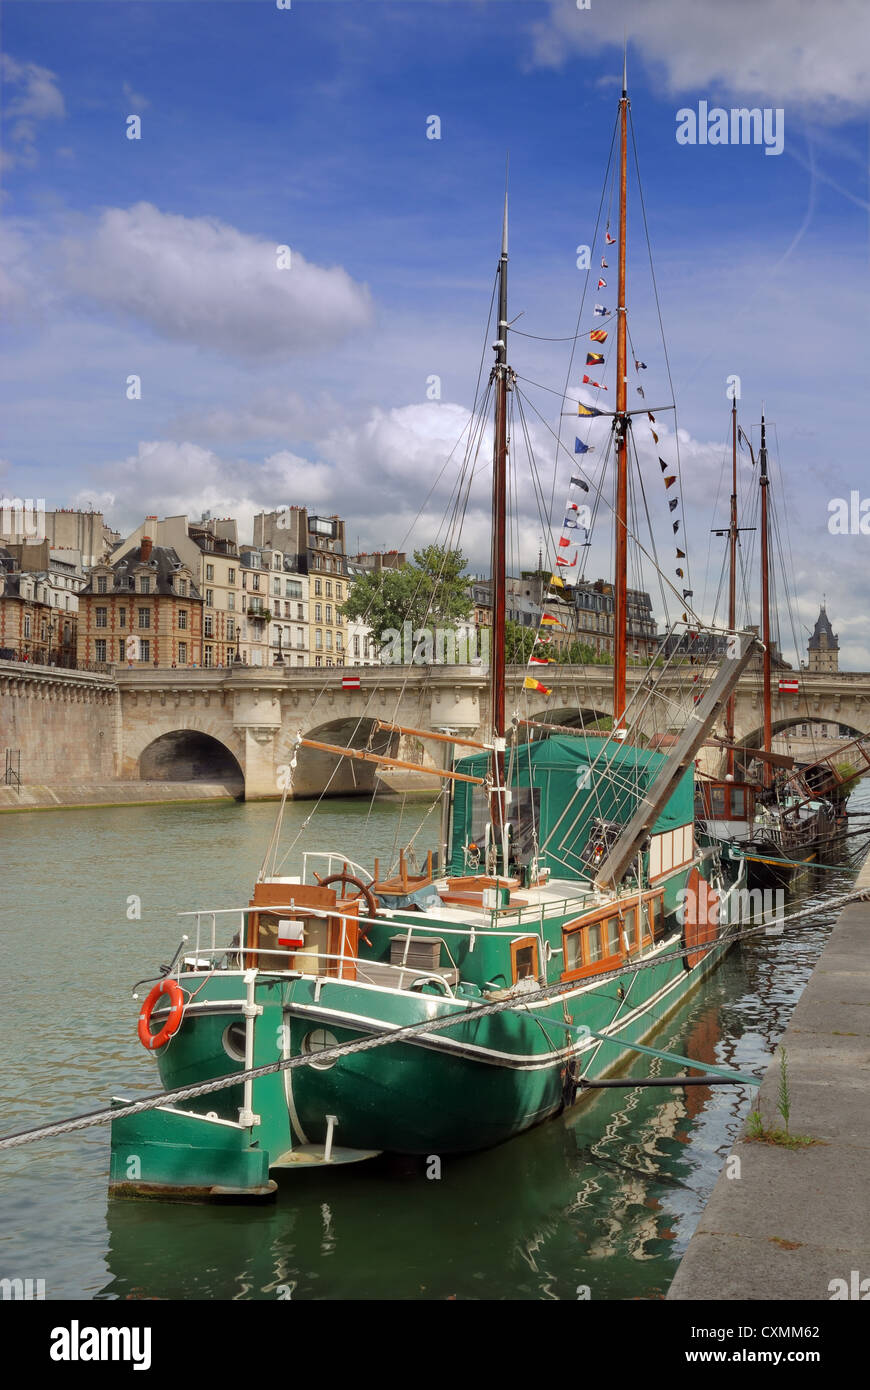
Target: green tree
[[519, 643], [429, 592]]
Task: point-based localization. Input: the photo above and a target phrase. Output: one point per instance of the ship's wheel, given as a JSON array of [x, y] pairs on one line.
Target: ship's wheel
[[363, 894]]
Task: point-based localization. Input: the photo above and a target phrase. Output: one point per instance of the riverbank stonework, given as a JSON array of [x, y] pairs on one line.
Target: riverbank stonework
[[795, 1224], [78, 795], [66, 725]]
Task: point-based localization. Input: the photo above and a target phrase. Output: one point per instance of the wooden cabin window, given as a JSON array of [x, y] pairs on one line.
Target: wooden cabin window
[[629, 926], [656, 916], [717, 801], [738, 801], [614, 942], [524, 958], [573, 953], [594, 947]]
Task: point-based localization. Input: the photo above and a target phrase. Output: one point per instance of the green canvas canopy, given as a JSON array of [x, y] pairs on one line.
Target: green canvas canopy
[[561, 785]]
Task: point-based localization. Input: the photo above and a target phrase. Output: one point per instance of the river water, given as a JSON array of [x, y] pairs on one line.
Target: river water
[[605, 1197]]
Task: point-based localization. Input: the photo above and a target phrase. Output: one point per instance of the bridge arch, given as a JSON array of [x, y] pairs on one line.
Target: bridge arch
[[574, 717], [190, 755], [326, 774]]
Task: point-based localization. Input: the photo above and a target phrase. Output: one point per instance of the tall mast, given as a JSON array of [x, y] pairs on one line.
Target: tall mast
[[732, 582], [500, 374], [765, 603], [620, 585]]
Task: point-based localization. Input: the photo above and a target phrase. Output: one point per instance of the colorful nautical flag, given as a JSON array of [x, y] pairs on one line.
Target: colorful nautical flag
[[676, 527], [681, 554], [586, 410], [604, 265], [651, 416], [598, 335], [680, 574], [580, 447], [640, 392], [564, 541], [640, 366], [688, 593], [578, 482], [602, 284], [670, 479], [594, 359], [571, 523], [655, 436], [572, 507], [531, 684], [547, 620], [662, 465], [541, 660], [611, 240], [587, 381], [560, 560], [601, 311], [674, 503]]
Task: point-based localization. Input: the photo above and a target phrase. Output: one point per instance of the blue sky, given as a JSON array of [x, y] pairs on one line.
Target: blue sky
[[307, 128]]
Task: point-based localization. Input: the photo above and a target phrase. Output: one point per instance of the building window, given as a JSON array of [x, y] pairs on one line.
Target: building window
[[144, 617], [318, 612], [300, 610], [318, 587], [144, 650], [27, 625], [182, 653], [244, 581], [208, 630], [338, 646], [231, 576], [122, 648], [122, 617], [182, 588], [300, 637], [329, 612], [293, 589], [100, 648], [255, 581], [318, 661], [209, 598], [231, 629], [102, 583], [356, 646], [145, 584], [207, 657], [231, 602], [338, 592], [318, 641], [101, 617], [276, 587], [209, 572], [182, 618], [329, 588], [328, 640]]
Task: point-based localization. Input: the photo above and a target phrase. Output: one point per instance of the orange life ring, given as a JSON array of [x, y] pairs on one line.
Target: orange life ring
[[173, 1022]]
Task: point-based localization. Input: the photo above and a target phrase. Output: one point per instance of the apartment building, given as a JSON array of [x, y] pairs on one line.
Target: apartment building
[[144, 609]]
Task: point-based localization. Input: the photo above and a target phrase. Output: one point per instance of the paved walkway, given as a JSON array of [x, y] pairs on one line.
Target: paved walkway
[[794, 1221]]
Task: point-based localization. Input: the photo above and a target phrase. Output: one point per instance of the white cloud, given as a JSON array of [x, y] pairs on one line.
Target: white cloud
[[809, 53], [32, 95], [198, 280]]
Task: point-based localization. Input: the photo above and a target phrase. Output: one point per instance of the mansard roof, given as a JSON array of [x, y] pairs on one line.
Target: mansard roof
[[823, 626]]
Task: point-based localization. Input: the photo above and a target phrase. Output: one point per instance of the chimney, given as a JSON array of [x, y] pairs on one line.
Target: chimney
[[145, 550]]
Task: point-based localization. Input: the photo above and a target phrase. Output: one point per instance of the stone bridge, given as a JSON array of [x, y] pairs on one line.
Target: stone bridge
[[240, 725], [254, 715]]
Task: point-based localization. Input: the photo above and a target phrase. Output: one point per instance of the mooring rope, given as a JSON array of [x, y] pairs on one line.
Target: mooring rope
[[396, 1035]]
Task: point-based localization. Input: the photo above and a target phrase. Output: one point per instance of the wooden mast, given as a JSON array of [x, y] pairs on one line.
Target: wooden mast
[[620, 586], [732, 582], [500, 374], [765, 605]]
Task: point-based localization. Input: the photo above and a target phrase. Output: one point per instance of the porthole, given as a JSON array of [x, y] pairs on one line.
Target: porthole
[[318, 1040], [234, 1041]]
